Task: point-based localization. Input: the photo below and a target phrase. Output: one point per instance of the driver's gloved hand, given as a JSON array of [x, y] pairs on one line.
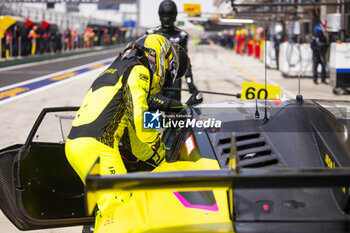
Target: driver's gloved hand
[[158, 102], [163, 103], [196, 98]]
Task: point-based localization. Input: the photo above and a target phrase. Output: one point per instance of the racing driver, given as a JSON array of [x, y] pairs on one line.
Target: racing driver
[[115, 104]]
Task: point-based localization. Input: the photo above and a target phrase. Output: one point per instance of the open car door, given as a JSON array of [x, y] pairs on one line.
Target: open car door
[[38, 187]]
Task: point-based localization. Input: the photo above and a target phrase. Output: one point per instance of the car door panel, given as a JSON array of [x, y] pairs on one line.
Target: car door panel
[[38, 187]]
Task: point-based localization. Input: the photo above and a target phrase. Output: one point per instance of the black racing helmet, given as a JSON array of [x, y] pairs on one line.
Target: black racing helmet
[[167, 13]]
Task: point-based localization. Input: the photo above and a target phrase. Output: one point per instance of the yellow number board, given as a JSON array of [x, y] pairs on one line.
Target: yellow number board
[[257, 91], [192, 8]]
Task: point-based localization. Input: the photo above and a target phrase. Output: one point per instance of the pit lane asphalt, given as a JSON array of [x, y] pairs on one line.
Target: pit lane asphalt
[[14, 74], [214, 68]]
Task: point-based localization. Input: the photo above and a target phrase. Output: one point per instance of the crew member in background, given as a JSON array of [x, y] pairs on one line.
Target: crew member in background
[[89, 34], [66, 39], [33, 36], [238, 41], [167, 14], [73, 39], [8, 36], [113, 110], [319, 48], [243, 42], [277, 40], [46, 40], [105, 37]]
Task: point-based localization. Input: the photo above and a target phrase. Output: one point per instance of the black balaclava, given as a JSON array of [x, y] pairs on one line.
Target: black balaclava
[[167, 13]]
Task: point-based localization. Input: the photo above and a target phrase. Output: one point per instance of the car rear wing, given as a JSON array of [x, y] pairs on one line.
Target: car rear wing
[[226, 179]]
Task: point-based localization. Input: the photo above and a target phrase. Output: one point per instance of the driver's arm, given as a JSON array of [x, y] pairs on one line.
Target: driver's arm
[[137, 102]]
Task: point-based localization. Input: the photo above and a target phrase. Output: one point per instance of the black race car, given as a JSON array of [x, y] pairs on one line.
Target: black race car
[[272, 167]]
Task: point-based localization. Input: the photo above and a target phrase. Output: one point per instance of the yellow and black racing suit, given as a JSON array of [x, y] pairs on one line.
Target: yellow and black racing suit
[[113, 107]]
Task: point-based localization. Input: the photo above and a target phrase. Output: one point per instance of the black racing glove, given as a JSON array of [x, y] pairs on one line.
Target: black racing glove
[[163, 103], [196, 98]]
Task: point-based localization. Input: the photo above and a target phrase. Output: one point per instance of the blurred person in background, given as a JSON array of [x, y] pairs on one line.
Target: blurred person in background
[[318, 45], [8, 40], [243, 42], [33, 36], [105, 37], [167, 14], [56, 39], [46, 36], [67, 39], [277, 40], [238, 41], [88, 37], [73, 39]]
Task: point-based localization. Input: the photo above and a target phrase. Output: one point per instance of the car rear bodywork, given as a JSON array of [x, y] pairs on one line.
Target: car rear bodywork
[[284, 169]]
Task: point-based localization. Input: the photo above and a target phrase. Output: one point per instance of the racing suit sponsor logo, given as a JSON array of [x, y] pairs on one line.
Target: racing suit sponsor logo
[[108, 71], [143, 77]]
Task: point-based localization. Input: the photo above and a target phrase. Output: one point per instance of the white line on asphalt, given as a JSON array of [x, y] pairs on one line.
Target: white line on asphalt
[[45, 87], [49, 76], [54, 60], [55, 74]]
